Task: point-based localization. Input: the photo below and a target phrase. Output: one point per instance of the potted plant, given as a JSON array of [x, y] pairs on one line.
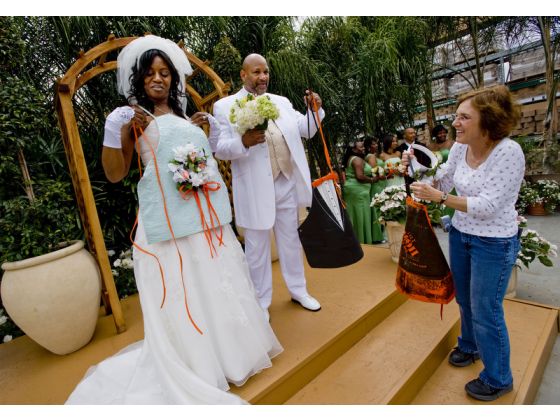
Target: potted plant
[[50, 286], [532, 247], [538, 198], [549, 190], [391, 207]]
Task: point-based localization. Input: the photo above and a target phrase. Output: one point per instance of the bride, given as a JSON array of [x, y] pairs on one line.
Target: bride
[[203, 326]]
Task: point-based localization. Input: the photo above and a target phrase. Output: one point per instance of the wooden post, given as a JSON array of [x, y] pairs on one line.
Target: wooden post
[[86, 206]]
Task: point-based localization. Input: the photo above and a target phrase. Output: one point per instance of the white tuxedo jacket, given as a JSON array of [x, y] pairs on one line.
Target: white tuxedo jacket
[[252, 183]]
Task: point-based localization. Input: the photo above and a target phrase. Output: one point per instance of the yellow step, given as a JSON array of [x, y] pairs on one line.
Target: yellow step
[[391, 362], [354, 300], [532, 329]]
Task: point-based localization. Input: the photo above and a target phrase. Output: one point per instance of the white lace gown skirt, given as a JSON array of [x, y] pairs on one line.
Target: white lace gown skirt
[[175, 364]]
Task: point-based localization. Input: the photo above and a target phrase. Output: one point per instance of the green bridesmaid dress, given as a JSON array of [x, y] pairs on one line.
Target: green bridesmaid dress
[[377, 229], [356, 195]]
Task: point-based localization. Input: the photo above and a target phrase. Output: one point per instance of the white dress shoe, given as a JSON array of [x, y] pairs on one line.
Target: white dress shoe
[[308, 302]]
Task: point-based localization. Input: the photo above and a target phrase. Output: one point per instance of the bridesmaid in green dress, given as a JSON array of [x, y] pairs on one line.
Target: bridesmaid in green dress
[[440, 144], [392, 158], [356, 192], [378, 173]]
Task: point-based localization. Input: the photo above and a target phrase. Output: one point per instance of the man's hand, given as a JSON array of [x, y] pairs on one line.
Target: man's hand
[[315, 96], [253, 137]]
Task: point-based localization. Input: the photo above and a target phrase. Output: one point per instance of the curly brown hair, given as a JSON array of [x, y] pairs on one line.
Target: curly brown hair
[[499, 112]]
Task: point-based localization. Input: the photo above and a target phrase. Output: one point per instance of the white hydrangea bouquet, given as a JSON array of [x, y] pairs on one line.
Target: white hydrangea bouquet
[[391, 205], [190, 167], [251, 112]]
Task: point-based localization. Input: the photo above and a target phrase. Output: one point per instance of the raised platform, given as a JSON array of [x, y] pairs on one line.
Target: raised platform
[[368, 345]]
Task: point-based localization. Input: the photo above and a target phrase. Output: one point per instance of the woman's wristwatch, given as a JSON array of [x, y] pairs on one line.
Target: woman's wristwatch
[[443, 198]]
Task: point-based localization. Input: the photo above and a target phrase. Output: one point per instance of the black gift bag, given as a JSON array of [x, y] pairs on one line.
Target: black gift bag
[[325, 242], [326, 235]]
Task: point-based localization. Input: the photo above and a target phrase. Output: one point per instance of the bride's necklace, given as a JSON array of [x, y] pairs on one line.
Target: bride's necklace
[[162, 111]]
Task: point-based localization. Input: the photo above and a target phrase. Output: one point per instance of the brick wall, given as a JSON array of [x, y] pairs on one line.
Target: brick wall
[[532, 114]]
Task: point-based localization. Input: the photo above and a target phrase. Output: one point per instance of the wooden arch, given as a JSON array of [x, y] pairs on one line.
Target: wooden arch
[[87, 66]]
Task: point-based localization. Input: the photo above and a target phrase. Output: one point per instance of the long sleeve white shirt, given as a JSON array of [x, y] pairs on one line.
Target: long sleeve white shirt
[[491, 189]]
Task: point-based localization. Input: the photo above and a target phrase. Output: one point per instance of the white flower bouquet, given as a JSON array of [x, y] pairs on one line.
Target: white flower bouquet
[[251, 112], [391, 205], [190, 167]]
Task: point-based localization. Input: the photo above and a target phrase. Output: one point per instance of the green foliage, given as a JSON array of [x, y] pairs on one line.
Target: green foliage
[[12, 47], [527, 143], [227, 62], [22, 114], [389, 70], [34, 228]]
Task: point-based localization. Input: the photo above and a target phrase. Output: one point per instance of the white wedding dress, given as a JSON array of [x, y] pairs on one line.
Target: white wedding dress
[[175, 364]]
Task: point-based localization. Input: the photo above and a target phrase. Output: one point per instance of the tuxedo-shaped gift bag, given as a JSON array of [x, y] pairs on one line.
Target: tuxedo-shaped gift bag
[[326, 235]]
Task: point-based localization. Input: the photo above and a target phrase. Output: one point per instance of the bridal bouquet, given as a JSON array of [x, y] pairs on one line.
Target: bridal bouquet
[[394, 168], [190, 167], [251, 112]]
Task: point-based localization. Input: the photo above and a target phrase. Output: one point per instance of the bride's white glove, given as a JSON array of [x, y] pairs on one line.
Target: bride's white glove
[[201, 118]]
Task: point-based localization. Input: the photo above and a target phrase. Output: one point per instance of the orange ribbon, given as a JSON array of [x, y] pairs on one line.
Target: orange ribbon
[[332, 175], [186, 194], [156, 167]]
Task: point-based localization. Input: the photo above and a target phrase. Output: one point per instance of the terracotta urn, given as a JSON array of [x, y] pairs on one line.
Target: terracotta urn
[[54, 298]]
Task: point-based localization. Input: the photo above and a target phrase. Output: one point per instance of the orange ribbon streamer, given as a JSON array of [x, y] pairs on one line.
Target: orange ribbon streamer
[[186, 194], [332, 175], [156, 167]]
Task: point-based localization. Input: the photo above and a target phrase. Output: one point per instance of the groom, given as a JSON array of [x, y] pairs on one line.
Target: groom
[[271, 181]]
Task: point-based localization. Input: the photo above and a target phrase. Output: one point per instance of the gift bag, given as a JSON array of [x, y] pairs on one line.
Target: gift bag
[[326, 235], [423, 273]]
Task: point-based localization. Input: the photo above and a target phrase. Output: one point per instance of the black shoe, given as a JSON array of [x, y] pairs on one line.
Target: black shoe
[[461, 359], [479, 390]]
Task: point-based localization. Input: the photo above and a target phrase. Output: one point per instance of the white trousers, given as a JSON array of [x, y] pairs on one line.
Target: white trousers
[[257, 246]]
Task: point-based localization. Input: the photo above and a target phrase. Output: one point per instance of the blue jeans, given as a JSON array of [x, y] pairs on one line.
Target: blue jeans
[[481, 267]]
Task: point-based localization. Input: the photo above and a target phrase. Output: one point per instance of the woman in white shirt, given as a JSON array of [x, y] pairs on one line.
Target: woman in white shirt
[[486, 169]]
